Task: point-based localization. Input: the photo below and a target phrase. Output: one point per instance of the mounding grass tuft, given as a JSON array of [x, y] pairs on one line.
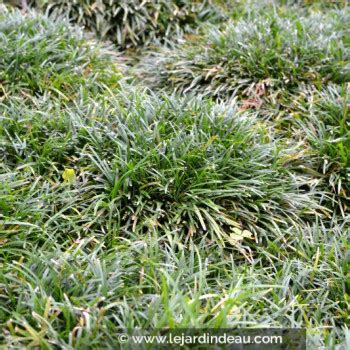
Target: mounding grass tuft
[[39, 54], [182, 165], [324, 120], [135, 23], [280, 51]]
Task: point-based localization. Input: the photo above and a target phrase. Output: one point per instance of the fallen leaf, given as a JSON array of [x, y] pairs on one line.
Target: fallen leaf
[[69, 175]]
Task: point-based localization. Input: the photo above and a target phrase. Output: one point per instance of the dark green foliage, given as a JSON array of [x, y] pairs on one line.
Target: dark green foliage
[[174, 164], [122, 207], [135, 22], [38, 54], [280, 51], [325, 120]]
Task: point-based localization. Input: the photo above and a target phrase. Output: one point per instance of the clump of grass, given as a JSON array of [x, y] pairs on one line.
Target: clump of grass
[[324, 120], [196, 168], [76, 294], [135, 23], [278, 50], [39, 54], [183, 165], [315, 123]]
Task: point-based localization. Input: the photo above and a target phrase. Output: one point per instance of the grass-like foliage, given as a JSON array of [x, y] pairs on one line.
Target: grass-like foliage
[[135, 23], [77, 294], [179, 165], [323, 117], [38, 54], [123, 207], [279, 50]]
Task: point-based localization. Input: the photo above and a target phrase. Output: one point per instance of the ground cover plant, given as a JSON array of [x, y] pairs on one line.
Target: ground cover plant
[[323, 117], [276, 49], [40, 55], [214, 193], [135, 23]]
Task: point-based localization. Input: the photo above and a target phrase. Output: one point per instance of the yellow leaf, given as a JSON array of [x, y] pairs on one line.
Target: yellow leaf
[[69, 175], [238, 235]]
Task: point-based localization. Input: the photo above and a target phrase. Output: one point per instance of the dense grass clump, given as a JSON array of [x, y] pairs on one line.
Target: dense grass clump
[[39, 54], [277, 50], [123, 207], [135, 23], [323, 117], [180, 165]]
